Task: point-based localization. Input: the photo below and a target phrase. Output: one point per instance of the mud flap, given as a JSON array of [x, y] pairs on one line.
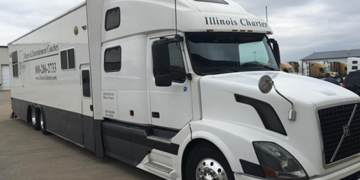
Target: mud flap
[[13, 115]]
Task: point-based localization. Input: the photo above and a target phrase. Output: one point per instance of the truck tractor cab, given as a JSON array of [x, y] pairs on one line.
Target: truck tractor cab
[[319, 70], [286, 67]]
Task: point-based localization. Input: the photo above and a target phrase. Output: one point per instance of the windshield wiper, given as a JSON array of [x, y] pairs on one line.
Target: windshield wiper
[[221, 69]]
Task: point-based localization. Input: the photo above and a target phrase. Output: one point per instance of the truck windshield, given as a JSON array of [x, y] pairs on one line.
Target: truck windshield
[[218, 53], [327, 69], [291, 70]]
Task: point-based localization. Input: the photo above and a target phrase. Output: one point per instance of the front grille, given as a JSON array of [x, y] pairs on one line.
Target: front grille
[[332, 121]]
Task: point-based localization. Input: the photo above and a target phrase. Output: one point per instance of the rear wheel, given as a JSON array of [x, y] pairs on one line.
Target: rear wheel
[[43, 123], [206, 162], [35, 121]]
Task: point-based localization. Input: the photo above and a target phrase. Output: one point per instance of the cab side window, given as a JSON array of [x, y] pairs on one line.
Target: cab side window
[[112, 19], [177, 67], [321, 70], [112, 58]]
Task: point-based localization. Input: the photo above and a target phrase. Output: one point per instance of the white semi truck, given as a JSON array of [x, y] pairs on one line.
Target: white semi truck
[[182, 93]]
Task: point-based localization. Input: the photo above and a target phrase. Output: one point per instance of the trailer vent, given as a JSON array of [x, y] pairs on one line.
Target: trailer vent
[[334, 125]]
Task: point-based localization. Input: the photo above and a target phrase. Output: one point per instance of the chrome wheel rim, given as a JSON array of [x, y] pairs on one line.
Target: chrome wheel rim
[[33, 117], [210, 169], [42, 122]]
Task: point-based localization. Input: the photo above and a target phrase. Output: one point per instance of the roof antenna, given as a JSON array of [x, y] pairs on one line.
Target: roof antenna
[[267, 21]]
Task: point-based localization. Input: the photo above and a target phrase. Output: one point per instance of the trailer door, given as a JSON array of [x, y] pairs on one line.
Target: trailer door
[[86, 91], [171, 107]]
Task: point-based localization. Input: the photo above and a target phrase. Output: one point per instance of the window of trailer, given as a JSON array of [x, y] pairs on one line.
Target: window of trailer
[[15, 65], [112, 19], [67, 59], [86, 83], [112, 62]]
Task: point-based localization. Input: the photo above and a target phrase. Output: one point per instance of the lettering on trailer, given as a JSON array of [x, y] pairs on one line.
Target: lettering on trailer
[[234, 22], [110, 104], [41, 51], [44, 69]]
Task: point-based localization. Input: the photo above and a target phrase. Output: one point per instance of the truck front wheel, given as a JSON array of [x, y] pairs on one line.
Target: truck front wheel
[[205, 161]]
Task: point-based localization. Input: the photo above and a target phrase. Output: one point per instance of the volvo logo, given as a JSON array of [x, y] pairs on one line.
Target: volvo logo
[[346, 130]]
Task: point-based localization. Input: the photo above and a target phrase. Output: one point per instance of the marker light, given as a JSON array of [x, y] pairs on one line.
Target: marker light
[[277, 163]]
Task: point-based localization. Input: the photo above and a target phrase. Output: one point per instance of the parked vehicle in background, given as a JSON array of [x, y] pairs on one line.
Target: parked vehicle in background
[[286, 67], [352, 82], [353, 64], [319, 70], [191, 100], [340, 68], [295, 65]]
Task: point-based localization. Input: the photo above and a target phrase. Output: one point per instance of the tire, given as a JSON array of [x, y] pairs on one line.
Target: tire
[[205, 159], [339, 79], [35, 119], [42, 121]]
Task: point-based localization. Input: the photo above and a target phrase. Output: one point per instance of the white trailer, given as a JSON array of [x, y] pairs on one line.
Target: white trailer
[[353, 64], [174, 91]]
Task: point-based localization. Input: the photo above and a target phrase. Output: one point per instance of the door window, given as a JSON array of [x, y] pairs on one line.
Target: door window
[[86, 83], [14, 57], [177, 67]]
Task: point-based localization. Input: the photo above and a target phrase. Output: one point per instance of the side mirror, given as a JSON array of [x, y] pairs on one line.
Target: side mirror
[[276, 50], [161, 61]]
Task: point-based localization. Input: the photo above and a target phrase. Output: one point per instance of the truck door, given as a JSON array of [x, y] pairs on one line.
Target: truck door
[[86, 91], [171, 106]]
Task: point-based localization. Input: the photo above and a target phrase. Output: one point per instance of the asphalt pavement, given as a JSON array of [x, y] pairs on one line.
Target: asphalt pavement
[[27, 154]]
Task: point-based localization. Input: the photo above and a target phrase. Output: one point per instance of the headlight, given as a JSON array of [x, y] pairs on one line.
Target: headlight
[[277, 163]]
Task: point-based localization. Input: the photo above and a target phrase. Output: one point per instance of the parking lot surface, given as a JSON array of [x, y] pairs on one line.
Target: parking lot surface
[[27, 154]]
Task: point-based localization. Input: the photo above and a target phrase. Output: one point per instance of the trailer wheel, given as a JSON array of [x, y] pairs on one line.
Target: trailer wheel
[[43, 123], [339, 79], [205, 161], [35, 119]]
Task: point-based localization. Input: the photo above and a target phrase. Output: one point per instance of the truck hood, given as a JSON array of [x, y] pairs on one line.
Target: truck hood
[[318, 92], [219, 103]]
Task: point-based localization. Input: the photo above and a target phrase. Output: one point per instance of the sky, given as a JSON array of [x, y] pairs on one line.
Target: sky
[[300, 26]]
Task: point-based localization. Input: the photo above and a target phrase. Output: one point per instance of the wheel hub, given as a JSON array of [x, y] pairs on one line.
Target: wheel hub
[[33, 117], [42, 122], [210, 169]]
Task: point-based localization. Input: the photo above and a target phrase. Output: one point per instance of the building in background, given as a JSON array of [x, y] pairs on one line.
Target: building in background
[[327, 58], [4, 69]]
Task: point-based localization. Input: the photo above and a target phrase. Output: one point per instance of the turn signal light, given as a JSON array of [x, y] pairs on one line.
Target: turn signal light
[[342, 85], [270, 172]]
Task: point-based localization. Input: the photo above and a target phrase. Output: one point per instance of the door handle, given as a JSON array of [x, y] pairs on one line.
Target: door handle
[[155, 115]]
